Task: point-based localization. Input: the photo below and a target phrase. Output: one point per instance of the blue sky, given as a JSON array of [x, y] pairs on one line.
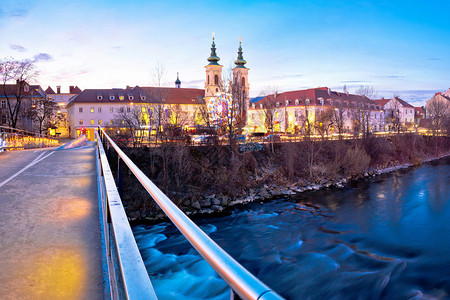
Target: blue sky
[[395, 46]]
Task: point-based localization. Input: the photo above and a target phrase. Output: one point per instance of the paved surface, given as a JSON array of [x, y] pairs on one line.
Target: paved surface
[[50, 242]]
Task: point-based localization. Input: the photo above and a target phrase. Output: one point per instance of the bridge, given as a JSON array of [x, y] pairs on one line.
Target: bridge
[[65, 235]]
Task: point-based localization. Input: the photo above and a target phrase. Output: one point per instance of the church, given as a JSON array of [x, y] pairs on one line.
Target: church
[[162, 107]]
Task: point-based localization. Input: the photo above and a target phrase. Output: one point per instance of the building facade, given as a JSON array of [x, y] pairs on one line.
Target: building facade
[[314, 111], [398, 114]]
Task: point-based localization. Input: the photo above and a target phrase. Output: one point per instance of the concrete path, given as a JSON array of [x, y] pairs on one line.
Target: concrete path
[[50, 242]]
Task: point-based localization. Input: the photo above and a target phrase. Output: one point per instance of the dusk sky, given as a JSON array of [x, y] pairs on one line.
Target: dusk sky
[[400, 47]]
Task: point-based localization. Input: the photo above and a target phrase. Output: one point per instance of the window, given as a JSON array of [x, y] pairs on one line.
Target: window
[[3, 119], [278, 104], [121, 98], [253, 105], [99, 109], [208, 80], [216, 80], [99, 97], [307, 101], [143, 109], [80, 109], [111, 98], [99, 122], [130, 97], [80, 122], [3, 104], [296, 113], [296, 102], [253, 116], [142, 98], [243, 81], [287, 102], [110, 122], [128, 109], [260, 105], [111, 109], [92, 122], [92, 109]]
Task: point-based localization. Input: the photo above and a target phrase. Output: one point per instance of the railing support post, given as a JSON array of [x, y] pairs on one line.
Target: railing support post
[[119, 177]]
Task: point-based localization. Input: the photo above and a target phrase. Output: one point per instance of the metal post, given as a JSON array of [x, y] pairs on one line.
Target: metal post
[[119, 177]]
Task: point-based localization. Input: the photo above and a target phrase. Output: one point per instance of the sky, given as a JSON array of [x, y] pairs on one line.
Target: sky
[[396, 47]]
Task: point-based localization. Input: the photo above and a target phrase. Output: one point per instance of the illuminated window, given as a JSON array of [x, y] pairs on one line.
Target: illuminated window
[[92, 109], [92, 122], [110, 122], [111, 109], [277, 115], [99, 122], [80, 109], [143, 109], [80, 122], [121, 98], [99, 109]]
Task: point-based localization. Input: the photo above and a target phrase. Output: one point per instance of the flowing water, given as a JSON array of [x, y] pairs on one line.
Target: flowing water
[[387, 237]]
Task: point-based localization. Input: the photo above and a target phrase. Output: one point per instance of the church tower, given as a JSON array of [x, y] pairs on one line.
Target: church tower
[[178, 82], [213, 82], [241, 86]]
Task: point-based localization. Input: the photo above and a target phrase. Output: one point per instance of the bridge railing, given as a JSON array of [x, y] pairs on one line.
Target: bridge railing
[[11, 138], [241, 281], [128, 277]]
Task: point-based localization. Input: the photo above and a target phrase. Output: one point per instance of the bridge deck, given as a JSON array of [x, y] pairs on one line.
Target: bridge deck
[[50, 242]]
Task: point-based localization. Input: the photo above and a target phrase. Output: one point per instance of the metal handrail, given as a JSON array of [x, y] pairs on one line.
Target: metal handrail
[[241, 281], [133, 275]]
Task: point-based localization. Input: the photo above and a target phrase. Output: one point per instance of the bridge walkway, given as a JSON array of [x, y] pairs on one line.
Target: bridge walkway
[[50, 234]]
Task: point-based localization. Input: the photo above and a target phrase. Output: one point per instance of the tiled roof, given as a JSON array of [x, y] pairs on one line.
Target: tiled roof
[[11, 90], [140, 95], [175, 95], [418, 111], [318, 96], [74, 90], [382, 102], [50, 91]]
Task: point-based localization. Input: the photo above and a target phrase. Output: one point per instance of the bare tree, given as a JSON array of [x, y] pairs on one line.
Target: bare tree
[[324, 121], [131, 118], [438, 109], [43, 111], [19, 72], [270, 111], [338, 118], [366, 90]]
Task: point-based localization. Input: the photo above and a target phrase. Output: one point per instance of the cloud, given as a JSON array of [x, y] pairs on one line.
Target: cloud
[[287, 76], [19, 13], [356, 81], [42, 57], [18, 48], [193, 82], [391, 76]]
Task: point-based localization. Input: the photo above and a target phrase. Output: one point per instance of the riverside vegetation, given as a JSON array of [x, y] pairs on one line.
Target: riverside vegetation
[[208, 179]]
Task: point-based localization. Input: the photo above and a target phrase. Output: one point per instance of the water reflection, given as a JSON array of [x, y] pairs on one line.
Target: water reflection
[[382, 238]]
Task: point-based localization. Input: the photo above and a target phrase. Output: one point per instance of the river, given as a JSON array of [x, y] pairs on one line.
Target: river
[[387, 237]]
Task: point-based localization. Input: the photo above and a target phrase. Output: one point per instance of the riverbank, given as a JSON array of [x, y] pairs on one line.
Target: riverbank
[[269, 175]]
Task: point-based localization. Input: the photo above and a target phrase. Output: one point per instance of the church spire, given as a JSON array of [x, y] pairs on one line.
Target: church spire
[[213, 59], [240, 61], [178, 82]]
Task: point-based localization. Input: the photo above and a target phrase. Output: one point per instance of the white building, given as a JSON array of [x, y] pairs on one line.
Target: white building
[[397, 111], [294, 111]]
